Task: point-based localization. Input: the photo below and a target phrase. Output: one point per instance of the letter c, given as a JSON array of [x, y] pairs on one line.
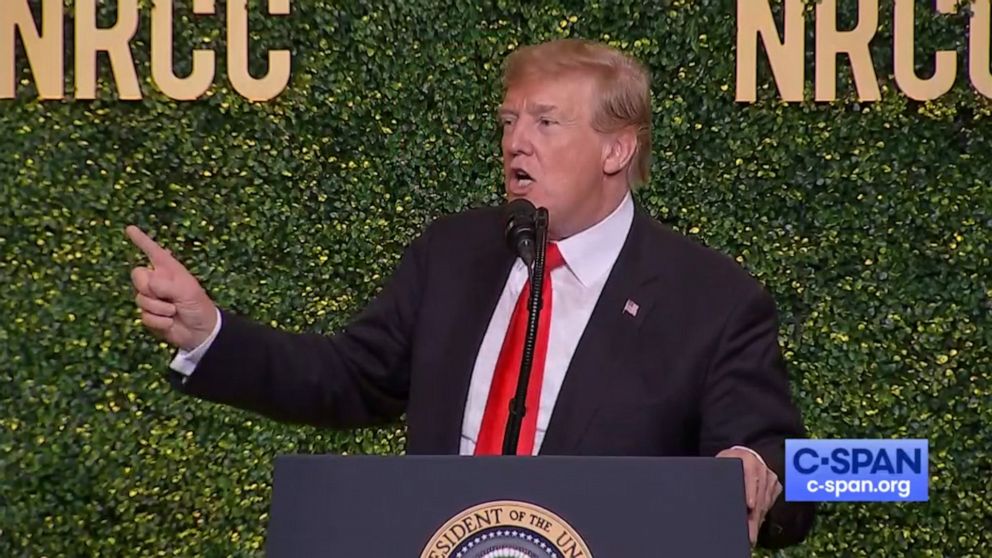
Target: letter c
[[798, 466]]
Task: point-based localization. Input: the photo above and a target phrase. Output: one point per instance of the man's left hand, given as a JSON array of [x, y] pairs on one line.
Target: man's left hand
[[761, 487]]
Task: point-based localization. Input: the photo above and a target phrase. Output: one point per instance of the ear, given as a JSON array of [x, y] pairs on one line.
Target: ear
[[619, 151]]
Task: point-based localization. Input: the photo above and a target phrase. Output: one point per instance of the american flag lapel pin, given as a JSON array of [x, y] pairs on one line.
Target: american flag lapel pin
[[630, 308]]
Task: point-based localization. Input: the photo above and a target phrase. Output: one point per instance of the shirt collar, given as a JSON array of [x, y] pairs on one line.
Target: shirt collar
[[591, 253]]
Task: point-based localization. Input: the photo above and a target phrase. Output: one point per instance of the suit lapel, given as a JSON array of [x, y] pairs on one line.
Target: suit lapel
[[605, 342], [478, 293]]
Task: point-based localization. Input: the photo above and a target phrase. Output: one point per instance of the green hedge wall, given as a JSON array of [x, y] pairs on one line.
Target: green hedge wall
[[870, 224]]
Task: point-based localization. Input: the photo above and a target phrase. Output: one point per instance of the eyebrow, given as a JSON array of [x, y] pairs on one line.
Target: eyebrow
[[542, 109], [533, 109]]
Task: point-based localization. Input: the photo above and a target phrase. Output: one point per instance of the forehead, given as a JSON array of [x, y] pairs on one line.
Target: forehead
[[570, 92]]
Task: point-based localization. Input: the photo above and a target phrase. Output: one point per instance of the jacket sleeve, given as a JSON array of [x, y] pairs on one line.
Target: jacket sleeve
[[358, 377], [747, 402]]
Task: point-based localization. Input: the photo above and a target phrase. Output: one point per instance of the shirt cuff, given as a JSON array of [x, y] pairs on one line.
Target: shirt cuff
[[751, 451], [185, 361]]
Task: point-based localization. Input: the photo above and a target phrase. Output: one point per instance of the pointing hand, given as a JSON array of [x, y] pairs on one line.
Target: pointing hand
[[173, 304]]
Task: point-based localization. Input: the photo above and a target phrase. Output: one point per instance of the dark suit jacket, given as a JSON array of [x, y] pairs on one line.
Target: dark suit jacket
[[696, 371]]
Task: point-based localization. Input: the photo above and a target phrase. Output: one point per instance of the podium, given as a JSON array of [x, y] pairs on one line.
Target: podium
[[496, 507]]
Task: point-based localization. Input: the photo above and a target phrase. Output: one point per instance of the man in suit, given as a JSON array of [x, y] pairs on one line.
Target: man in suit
[[651, 345]]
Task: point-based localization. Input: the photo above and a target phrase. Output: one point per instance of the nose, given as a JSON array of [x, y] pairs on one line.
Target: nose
[[518, 141]]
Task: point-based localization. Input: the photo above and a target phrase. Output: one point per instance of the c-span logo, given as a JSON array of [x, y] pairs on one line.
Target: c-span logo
[[856, 470], [506, 529]]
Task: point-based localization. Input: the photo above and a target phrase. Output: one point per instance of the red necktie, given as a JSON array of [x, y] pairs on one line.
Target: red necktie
[[507, 371]]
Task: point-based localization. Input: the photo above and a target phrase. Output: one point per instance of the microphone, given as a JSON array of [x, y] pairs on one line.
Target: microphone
[[527, 235], [521, 230]]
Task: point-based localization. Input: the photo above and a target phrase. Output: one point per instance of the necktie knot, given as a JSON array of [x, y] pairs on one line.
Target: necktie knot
[[553, 258]]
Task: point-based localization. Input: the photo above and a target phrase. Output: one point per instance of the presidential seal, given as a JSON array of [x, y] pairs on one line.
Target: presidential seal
[[506, 529]]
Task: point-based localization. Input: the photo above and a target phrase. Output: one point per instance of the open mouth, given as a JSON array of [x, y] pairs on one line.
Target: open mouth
[[522, 177]]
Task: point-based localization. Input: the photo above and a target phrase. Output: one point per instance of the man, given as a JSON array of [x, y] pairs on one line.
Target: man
[[653, 346]]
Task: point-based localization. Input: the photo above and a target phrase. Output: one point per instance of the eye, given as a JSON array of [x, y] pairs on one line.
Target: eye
[[545, 121]]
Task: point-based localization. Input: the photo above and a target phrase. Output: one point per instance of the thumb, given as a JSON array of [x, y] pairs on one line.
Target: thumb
[[164, 286]]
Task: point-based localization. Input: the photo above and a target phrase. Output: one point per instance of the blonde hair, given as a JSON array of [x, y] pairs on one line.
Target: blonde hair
[[623, 87]]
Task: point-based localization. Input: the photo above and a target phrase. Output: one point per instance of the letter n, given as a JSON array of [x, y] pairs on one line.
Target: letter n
[[43, 49], [754, 19]]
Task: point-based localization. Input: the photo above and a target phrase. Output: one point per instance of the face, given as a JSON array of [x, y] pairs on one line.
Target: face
[[552, 156]]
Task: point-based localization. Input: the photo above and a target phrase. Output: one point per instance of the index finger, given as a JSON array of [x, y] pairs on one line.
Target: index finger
[[158, 255]]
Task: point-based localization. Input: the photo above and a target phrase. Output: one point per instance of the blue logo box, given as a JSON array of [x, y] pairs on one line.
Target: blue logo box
[[856, 470]]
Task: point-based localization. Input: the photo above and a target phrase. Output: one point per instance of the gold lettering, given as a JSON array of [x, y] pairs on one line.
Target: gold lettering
[[251, 88], [484, 519], [569, 547], [43, 49], [443, 544], [979, 45], [754, 19], [455, 534], [114, 41], [945, 64], [202, 74], [830, 42]]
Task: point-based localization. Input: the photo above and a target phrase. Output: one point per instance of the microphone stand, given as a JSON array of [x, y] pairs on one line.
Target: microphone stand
[[518, 407]]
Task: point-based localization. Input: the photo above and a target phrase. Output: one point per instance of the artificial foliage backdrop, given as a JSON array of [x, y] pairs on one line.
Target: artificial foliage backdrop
[[870, 223]]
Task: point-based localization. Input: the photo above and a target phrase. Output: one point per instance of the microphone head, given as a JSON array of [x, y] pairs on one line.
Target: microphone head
[[520, 231], [519, 207]]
